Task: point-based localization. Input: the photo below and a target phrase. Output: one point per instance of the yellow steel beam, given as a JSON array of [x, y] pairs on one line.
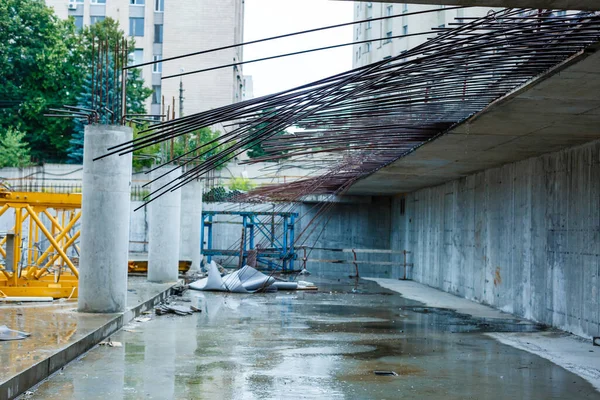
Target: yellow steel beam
[[52, 241], [52, 200], [59, 226], [40, 291], [17, 244], [55, 257], [65, 230]]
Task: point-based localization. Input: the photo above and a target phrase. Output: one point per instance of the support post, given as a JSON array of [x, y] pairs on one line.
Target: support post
[[104, 222], [191, 216], [164, 229]]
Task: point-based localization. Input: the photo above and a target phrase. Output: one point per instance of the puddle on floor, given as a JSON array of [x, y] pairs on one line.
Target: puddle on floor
[[315, 345]]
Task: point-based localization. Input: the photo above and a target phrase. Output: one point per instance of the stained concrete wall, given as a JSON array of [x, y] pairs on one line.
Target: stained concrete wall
[[524, 237], [359, 225]]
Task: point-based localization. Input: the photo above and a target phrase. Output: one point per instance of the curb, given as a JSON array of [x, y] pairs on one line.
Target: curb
[[33, 375]]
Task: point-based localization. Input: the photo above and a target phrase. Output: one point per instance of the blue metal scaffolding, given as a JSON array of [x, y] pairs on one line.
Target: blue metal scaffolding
[[278, 255]]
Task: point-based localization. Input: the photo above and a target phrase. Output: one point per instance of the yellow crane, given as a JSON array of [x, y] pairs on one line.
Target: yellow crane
[[35, 250]]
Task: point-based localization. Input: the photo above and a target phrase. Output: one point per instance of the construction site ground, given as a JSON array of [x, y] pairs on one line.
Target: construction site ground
[[325, 344], [60, 334]]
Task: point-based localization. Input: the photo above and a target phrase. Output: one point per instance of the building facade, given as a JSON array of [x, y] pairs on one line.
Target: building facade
[[167, 28], [378, 50]]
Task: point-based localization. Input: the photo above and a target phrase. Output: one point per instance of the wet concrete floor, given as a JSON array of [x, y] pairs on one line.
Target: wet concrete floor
[[54, 326], [323, 344]]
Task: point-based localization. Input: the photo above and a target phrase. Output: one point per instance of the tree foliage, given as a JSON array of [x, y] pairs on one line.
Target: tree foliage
[[40, 66], [256, 149], [183, 147], [241, 184], [15, 152], [45, 62]]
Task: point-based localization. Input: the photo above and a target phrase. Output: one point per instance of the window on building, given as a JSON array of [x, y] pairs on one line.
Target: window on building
[[75, 1], [369, 25], [136, 26], [156, 94], [97, 1], [388, 37], [356, 55], [405, 30], [368, 48], [405, 7], [159, 5], [78, 21], [158, 33], [157, 68], [137, 2], [136, 57], [442, 26], [96, 18], [389, 10]]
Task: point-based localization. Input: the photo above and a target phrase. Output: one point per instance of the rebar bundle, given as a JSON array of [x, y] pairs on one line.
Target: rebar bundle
[[368, 117]]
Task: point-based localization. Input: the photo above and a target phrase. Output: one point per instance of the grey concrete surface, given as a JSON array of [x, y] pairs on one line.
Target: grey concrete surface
[[191, 215], [566, 350], [164, 221], [524, 238], [552, 4], [104, 221], [322, 345], [558, 110], [59, 334]]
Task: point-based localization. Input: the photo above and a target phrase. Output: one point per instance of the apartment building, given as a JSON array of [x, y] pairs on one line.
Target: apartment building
[[367, 53], [167, 28]]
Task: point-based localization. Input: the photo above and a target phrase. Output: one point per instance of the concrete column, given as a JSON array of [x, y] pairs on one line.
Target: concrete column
[[191, 214], [104, 221], [163, 229]]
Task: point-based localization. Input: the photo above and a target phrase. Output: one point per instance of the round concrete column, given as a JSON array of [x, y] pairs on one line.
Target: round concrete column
[[191, 214], [104, 221], [164, 229]]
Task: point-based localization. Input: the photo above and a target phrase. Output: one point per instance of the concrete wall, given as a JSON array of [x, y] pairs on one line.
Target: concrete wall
[[360, 225], [524, 238]]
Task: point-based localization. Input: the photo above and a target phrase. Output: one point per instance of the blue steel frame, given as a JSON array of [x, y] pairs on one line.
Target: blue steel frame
[[282, 248]]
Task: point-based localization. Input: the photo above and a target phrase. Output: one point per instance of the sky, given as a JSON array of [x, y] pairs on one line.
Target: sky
[[265, 18]]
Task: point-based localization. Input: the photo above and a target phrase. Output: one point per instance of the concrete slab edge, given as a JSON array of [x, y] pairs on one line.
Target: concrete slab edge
[[30, 377]]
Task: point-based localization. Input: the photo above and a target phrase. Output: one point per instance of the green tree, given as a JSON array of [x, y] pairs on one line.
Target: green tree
[[106, 31], [240, 183], [40, 66], [147, 156], [15, 152], [161, 152]]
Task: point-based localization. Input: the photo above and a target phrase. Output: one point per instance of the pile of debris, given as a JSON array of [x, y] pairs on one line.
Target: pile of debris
[[164, 308], [245, 280]]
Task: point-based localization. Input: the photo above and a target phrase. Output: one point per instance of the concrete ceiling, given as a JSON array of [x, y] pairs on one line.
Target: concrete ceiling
[[554, 4], [559, 110]]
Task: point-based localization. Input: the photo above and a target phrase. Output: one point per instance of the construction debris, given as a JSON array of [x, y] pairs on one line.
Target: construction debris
[[245, 280], [7, 334], [110, 343], [163, 309]]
